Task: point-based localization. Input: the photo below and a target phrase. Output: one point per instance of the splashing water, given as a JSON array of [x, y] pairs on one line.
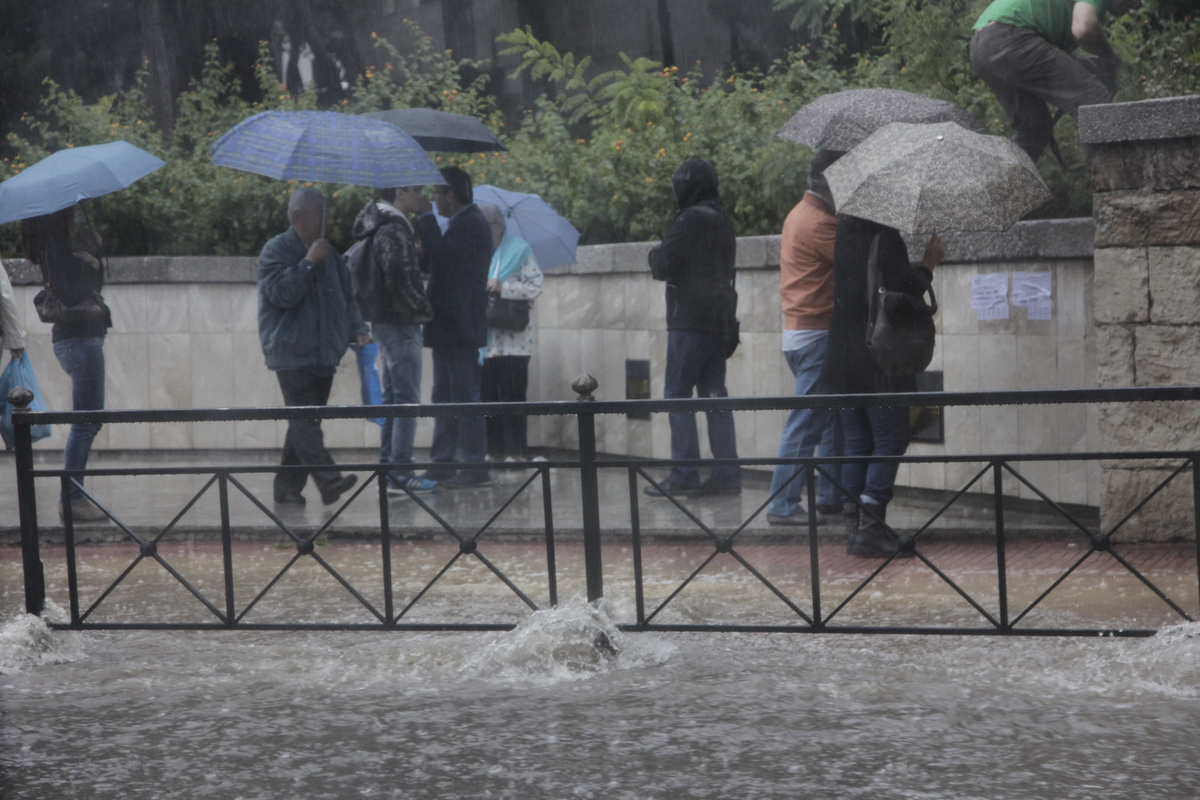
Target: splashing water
[[27, 641], [575, 641]]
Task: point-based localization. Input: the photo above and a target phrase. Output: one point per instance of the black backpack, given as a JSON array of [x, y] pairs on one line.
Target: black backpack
[[900, 329], [366, 278]]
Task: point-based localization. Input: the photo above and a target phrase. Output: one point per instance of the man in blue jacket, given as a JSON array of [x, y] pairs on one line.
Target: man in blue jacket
[[307, 318], [458, 271]]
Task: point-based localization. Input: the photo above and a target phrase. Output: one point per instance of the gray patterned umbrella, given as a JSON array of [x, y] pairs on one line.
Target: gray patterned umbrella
[[841, 120], [941, 177]]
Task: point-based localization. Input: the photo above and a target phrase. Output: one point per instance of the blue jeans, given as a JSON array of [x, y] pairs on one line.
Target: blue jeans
[[804, 430], [400, 379], [873, 432], [456, 376], [83, 360], [695, 361]]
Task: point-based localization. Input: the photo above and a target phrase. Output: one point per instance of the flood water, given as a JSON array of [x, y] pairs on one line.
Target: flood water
[[543, 712]]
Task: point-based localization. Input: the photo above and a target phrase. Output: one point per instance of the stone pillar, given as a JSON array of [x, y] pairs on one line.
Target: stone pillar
[[1145, 162]]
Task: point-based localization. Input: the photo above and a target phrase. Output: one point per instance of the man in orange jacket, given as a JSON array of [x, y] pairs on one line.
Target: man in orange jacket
[[806, 288]]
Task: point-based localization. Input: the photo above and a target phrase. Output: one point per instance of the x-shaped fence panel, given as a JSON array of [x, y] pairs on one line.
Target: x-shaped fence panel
[[807, 612], [225, 611]]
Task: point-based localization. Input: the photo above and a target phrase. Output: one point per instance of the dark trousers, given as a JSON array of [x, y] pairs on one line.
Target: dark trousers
[[456, 378], [304, 444], [505, 380], [1026, 72], [696, 361], [873, 432]]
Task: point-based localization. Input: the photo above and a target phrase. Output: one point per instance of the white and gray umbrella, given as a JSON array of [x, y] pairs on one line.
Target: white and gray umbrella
[[841, 120], [942, 177]]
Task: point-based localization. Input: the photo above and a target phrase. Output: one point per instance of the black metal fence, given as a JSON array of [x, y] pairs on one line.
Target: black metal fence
[[810, 615]]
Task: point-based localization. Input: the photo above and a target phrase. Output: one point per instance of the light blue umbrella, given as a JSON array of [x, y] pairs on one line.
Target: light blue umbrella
[[325, 147], [63, 179], [552, 237]]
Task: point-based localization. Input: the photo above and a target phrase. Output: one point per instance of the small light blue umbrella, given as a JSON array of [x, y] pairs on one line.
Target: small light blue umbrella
[[553, 239], [325, 147], [64, 178]]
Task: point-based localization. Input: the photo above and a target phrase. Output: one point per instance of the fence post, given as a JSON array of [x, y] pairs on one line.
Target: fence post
[[35, 577], [589, 490]]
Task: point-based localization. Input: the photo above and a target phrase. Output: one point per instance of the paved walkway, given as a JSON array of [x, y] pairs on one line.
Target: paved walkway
[[149, 503]]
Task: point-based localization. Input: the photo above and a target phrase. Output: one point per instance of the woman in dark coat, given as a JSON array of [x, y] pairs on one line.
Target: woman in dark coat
[[75, 276], [850, 369]]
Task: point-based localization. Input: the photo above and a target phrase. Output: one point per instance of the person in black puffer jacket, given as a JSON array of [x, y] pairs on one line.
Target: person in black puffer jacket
[[696, 260], [390, 291]]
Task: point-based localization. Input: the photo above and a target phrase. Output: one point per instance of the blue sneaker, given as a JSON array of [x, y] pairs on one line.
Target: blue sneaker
[[413, 484]]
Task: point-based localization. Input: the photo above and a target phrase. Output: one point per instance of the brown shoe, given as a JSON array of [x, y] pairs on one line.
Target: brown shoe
[[83, 510]]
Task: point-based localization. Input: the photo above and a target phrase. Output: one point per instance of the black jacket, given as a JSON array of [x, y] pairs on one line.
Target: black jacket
[[458, 272], [391, 289], [73, 280], [696, 257], [849, 366]]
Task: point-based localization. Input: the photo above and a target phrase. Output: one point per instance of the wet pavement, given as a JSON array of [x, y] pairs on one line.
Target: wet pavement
[[512, 506]]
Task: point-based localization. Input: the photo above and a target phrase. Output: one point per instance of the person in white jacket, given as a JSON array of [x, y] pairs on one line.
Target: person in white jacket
[[513, 275], [12, 335]]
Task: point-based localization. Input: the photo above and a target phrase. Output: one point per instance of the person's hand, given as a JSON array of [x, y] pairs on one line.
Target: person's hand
[[363, 339], [318, 251], [88, 259], [934, 253], [18, 353], [494, 285]]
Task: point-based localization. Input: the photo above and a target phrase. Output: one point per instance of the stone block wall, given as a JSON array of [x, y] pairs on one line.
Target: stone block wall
[[185, 335], [1145, 161]]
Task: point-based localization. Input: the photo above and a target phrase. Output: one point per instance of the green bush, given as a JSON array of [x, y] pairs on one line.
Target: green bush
[[600, 148]]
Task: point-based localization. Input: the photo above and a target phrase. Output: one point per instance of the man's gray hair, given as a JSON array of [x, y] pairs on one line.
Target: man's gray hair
[[494, 214], [306, 200]]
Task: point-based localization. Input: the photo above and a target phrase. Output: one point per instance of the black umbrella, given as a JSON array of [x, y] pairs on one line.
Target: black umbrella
[[841, 120], [441, 130]]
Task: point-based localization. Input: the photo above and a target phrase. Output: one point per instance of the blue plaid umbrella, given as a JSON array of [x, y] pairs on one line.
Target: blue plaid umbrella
[[63, 179], [325, 147]]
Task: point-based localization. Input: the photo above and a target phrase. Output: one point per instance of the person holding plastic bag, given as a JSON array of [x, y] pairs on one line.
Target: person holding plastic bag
[[71, 300], [12, 335], [19, 372]]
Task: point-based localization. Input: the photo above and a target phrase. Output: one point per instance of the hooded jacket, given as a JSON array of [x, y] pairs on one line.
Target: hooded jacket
[[389, 287], [306, 313], [696, 257]]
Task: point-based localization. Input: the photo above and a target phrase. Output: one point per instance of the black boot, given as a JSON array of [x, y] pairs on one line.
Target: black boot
[[873, 539], [850, 525]]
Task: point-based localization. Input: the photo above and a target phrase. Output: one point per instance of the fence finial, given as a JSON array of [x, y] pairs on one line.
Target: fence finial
[[20, 397], [584, 385]]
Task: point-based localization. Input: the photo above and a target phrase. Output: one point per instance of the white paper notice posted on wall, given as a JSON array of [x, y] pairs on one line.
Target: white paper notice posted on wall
[[1033, 290], [989, 295]]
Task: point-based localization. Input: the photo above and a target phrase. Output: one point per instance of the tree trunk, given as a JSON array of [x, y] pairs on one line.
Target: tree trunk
[[666, 34], [161, 80]]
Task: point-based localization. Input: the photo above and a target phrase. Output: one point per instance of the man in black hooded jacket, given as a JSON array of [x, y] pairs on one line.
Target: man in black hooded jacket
[[696, 259]]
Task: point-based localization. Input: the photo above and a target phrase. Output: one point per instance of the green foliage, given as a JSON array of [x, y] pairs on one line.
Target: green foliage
[[599, 148], [193, 207]]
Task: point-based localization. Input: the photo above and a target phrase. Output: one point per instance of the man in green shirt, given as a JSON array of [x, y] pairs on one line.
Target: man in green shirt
[[1022, 51]]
